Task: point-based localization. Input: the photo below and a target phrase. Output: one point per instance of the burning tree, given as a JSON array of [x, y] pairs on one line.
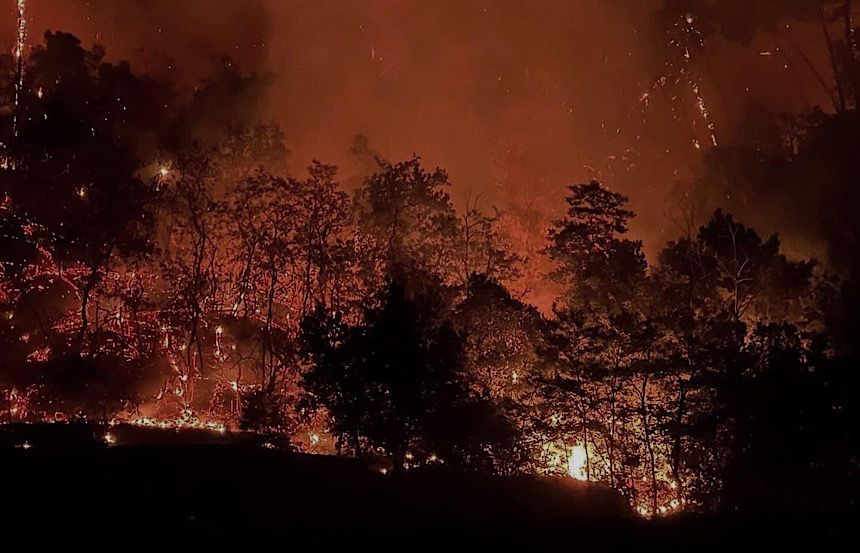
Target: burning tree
[[166, 269]]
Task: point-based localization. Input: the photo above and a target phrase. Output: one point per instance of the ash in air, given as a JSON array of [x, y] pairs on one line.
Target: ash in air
[[167, 263]]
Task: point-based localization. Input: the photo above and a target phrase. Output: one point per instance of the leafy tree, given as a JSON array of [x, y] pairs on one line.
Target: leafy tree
[[484, 250], [383, 380], [699, 339], [407, 212], [788, 431], [600, 266], [189, 264], [326, 240], [602, 342], [477, 435], [728, 263], [264, 412], [769, 189], [503, 339], [710, 290], [81, 125], [292, 250], [265, 216]]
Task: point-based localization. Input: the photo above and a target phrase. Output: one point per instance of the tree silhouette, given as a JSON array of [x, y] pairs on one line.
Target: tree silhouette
[[76, 160], [382, 380], [408, 213]]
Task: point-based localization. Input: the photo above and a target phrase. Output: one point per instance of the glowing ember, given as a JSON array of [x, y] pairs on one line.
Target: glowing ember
[[239, 299], [190, 423]]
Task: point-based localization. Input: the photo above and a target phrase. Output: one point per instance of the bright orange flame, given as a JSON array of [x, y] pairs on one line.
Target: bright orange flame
[[577, 463]]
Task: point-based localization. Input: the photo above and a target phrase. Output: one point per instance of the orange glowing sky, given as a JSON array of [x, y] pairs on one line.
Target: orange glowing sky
[[516, 98]]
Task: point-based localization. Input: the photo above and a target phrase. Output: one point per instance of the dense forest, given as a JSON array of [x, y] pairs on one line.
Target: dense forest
[[162, 264]]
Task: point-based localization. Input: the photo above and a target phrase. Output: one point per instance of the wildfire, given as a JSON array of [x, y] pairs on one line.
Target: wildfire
[[184, 423], [701, 104], [680, 73], [577, 463]]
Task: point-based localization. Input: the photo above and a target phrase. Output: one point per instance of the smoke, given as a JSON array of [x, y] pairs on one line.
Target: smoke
[[744, 20], [515, 99], [809, 194]]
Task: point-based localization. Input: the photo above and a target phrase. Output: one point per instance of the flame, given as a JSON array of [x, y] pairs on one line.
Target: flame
[[186, 422], [577, 463]]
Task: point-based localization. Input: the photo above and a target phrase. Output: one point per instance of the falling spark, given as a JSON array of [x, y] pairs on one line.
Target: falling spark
[[679, 73], [577, 463], [704, 111], [695, 86], [21, 38]]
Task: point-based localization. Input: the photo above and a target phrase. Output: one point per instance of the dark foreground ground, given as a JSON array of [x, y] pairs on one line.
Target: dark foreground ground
[[65, 482]]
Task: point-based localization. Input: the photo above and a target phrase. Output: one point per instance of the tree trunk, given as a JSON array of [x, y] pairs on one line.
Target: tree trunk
[[89, 285], [680, 411], [612, 433], [851, 49], [646, 428], [268, 349], [834, 59]]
